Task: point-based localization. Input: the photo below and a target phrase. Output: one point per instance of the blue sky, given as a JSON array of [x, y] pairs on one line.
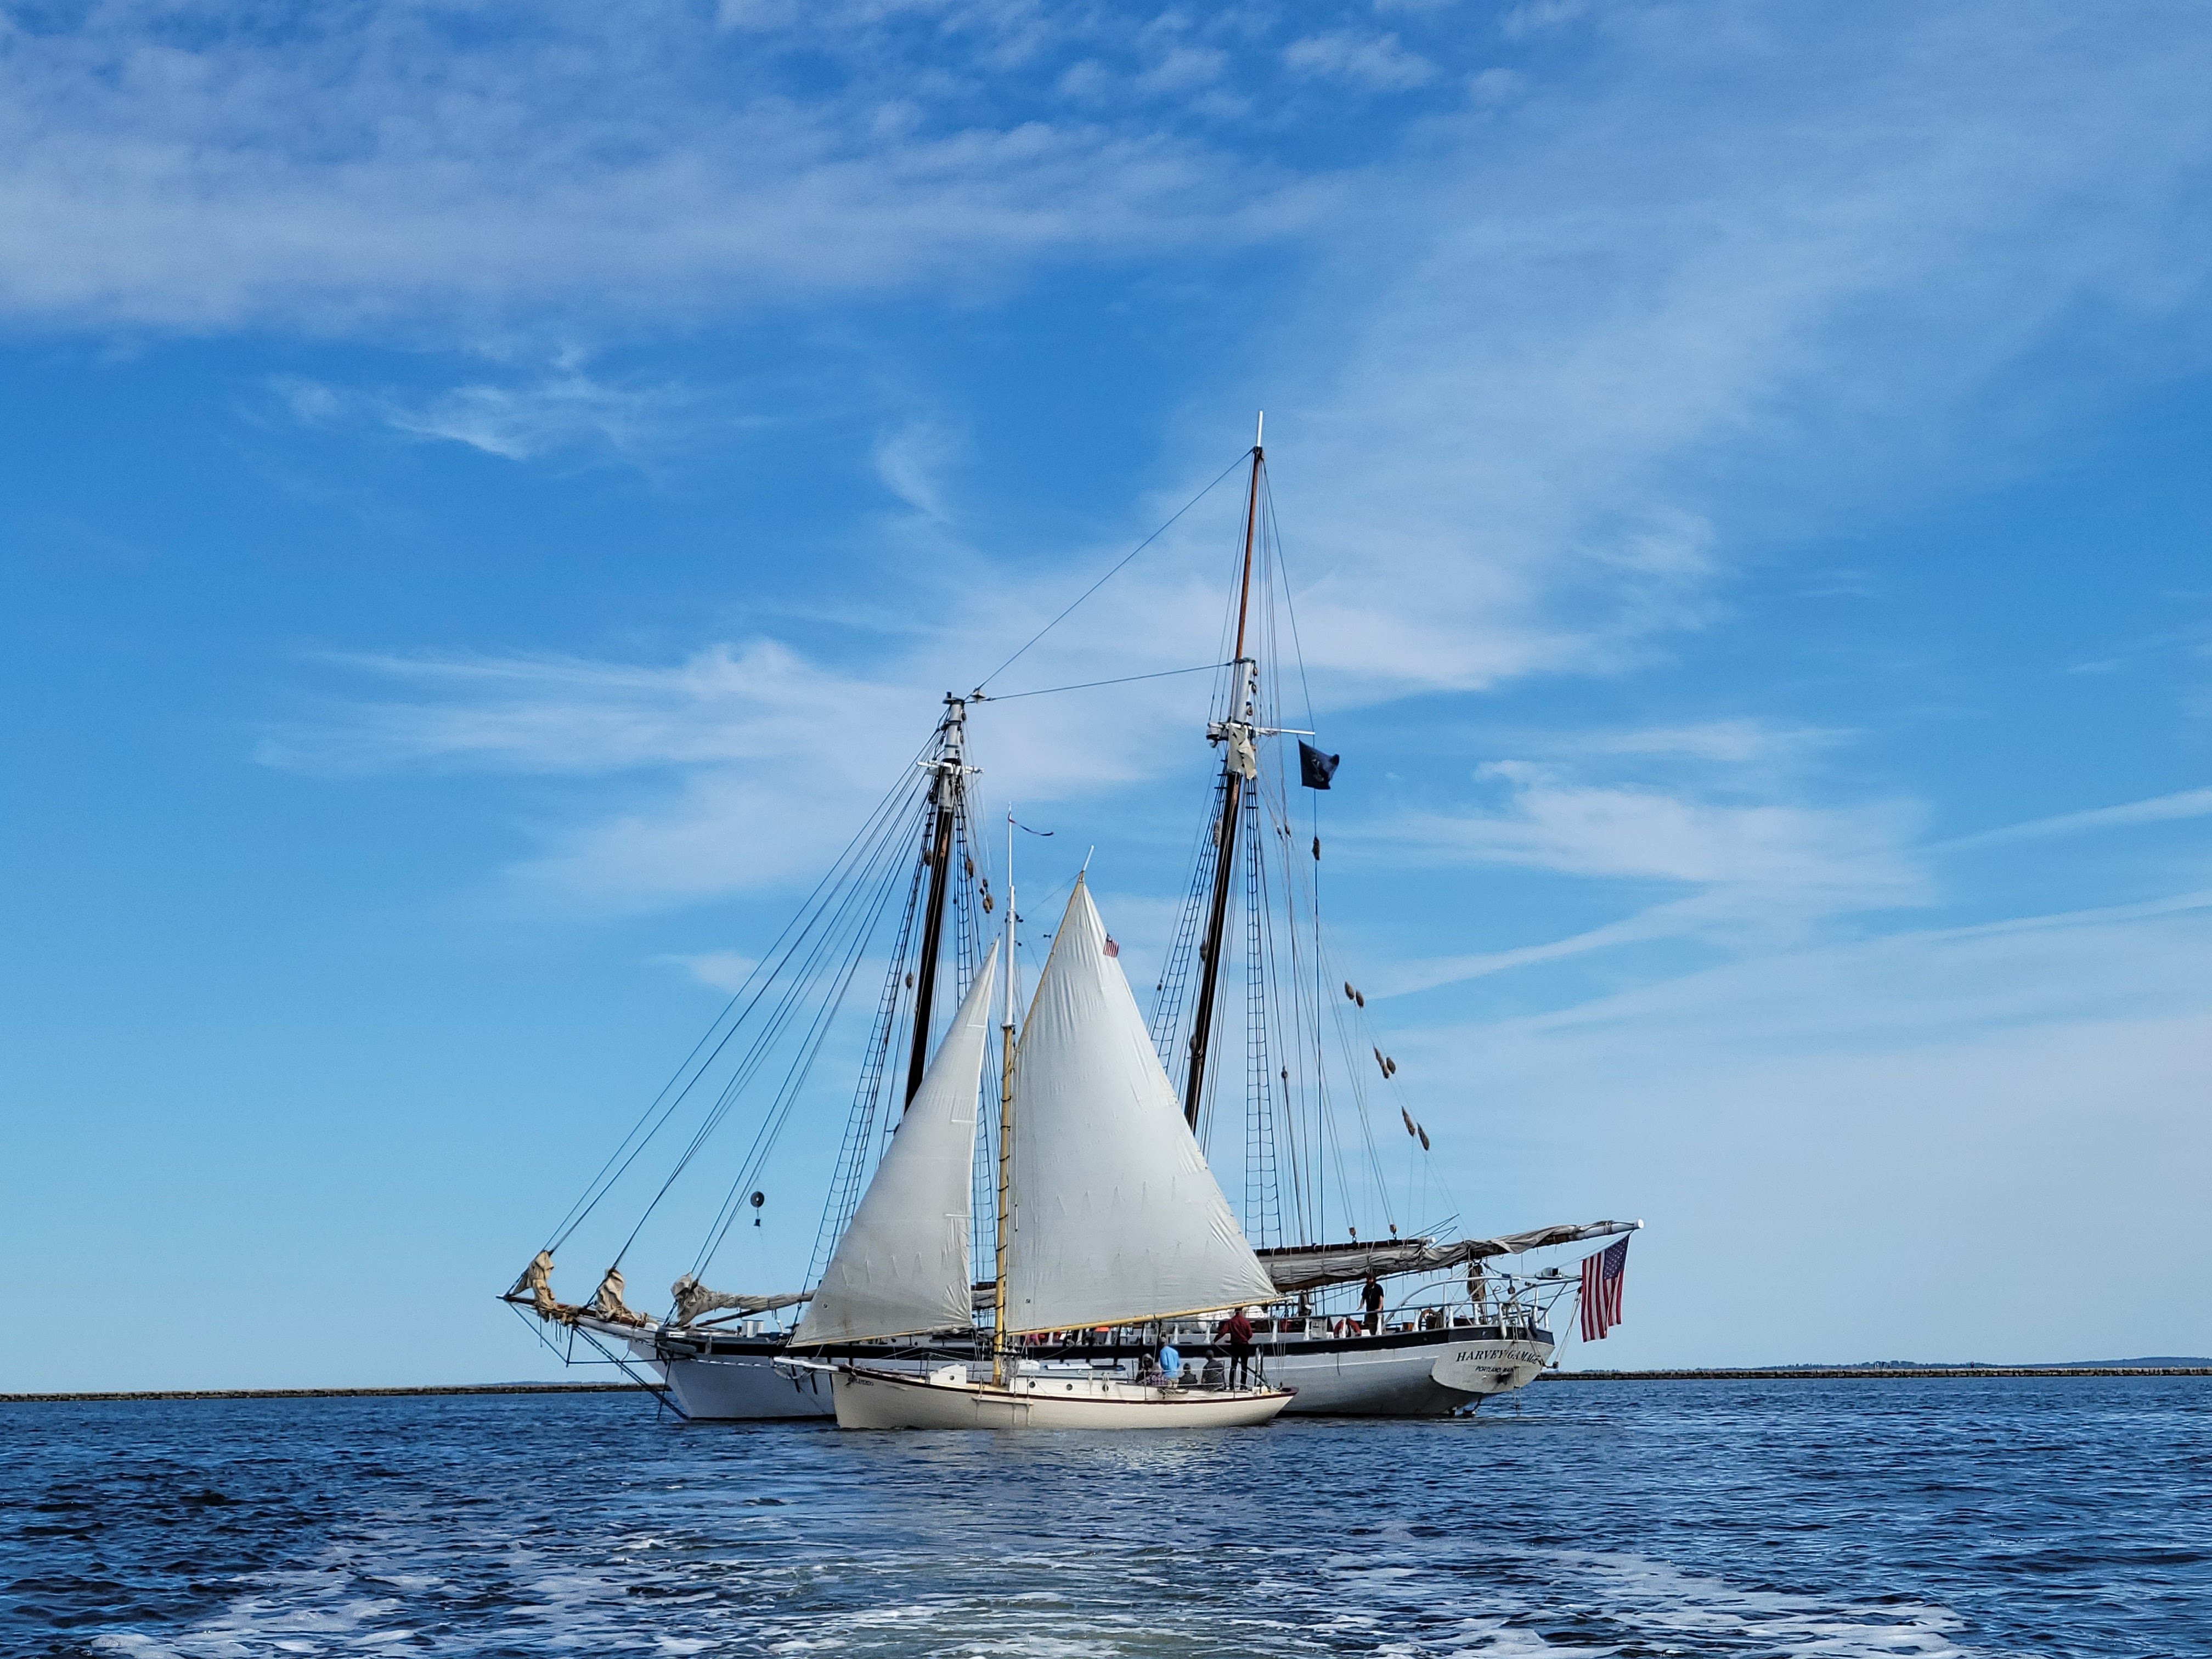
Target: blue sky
[[488, 500]]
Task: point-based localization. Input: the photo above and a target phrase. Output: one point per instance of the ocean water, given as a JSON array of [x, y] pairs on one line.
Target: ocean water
[[2043, 1516]]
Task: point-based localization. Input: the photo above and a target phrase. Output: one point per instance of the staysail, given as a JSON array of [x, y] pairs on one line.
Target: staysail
[[902, 1267], [1115, 1218]]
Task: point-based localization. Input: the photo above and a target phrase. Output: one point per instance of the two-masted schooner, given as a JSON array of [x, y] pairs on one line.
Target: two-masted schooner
[[991, 1257]]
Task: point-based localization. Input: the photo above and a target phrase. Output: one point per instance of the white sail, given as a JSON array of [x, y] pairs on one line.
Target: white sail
[[901, 1267], [1116, 1218]]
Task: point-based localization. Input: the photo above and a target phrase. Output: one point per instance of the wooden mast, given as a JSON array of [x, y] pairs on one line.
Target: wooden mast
[[1005, 1129], [945, 802], [1235, 734]]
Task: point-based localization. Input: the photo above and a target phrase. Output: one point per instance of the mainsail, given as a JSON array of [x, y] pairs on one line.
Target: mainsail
[[902, 1267], [1116, 1218], [1310, 1266]]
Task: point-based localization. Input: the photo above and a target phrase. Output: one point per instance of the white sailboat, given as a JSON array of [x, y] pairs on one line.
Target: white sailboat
[[1108, 1216]]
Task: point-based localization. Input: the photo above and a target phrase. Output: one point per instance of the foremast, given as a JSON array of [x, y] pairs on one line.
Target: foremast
[[944, 805]]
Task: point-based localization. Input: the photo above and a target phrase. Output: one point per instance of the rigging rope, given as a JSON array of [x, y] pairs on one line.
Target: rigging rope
[[1110, 575], [1126, 679], [735, 1013]]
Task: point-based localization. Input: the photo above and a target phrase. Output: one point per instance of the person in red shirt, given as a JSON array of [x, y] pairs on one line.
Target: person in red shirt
[[1236, 1331]]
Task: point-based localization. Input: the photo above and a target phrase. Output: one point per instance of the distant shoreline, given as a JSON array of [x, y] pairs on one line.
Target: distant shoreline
[[331, 1394], [1777, 1374]]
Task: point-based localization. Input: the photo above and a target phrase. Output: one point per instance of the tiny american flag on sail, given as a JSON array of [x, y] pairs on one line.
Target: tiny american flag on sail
[[1601, 1276]]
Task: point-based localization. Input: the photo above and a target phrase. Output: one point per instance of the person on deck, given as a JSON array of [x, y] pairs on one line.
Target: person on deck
[[1167, 1369], [1237, 1330], [1370, 1297]]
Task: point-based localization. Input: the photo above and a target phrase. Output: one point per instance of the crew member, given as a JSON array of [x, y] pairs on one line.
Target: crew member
[[1238, 1331], [1370, 1297]]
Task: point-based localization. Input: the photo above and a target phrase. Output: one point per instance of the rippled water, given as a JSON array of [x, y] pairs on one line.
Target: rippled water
[[2048, 1517]]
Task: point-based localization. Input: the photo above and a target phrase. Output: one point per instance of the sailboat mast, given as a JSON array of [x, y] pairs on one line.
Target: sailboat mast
[[1238, 767], [1005, 1128], [944, 801]]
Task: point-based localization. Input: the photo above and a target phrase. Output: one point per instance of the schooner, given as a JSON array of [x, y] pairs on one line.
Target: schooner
[[1022, 1262]]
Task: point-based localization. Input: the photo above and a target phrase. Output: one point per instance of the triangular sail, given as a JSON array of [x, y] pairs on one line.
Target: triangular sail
[[902, 1267], [1116, 1218]]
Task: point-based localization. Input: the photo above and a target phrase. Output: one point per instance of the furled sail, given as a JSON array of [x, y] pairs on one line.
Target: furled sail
[[692, 1300], [1309, 1266], [902, 1267], [1116, 1218]]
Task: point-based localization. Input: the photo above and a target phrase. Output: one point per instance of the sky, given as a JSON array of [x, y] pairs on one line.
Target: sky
[[491, 497]]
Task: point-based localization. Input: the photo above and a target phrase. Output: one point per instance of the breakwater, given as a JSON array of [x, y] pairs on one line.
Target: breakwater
[[1873, 1373], [336, 1394]]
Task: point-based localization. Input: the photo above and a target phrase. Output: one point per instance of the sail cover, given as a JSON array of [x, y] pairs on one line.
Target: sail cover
[[1309, 1266], [1116, 1218], [901, 1267]]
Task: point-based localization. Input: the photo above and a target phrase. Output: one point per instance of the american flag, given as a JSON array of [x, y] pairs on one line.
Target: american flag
[[1601, 1276]]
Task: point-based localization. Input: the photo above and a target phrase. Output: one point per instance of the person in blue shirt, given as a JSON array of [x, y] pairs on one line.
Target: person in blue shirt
[[1168, 1367]]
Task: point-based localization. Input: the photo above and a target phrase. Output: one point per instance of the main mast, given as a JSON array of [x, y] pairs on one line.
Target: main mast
[[1240, 767], [944, 811]]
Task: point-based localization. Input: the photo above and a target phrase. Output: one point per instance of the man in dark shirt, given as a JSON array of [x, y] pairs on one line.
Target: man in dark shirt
[[1237, 1330], [1370, 1297]]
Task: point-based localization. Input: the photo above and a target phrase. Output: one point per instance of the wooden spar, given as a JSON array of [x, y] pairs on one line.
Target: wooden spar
[[1232, 802], [1005, 1130], [944, 802]]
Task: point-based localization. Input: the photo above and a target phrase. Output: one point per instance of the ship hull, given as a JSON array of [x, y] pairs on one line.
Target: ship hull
[[1400, 1373], [867, 1398], [743, 1387]]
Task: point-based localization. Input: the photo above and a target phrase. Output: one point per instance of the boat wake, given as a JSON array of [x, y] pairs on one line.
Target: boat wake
[[1099, 1599]]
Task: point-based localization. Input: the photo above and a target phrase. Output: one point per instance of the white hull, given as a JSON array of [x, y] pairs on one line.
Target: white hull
[[1433, 1375], [870, 1399]]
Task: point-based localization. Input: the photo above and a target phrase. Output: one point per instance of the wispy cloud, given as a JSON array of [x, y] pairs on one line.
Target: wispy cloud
[[758, 704], [1377, 61], [2162, 809], [518, 420], [1551, 821], [911, 459], [719, 970]]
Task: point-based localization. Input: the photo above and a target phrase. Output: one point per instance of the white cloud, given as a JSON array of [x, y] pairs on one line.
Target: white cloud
[[735, 769], [912, 459], [1494, 85], [1184, 68], [394, 172], [758, 703], [1553, 822], [1377, 61], [520, 423], [719, 970], [1534, 17], [1738, 741]]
